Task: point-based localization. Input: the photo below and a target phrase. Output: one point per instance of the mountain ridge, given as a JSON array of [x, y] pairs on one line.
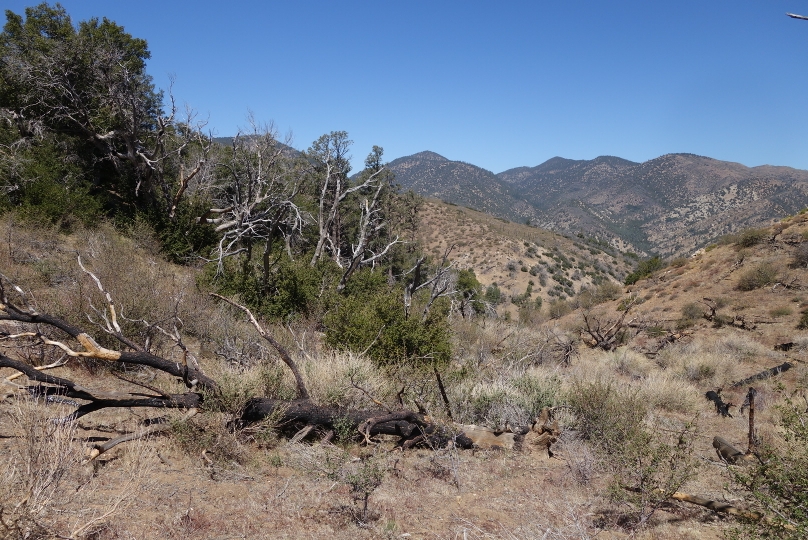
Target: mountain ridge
[[670, 205]]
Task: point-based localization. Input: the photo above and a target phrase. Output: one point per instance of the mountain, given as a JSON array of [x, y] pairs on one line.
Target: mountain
[[432, 175], [670, 205]]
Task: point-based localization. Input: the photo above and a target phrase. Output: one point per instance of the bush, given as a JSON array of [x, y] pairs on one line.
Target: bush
[[493, 294], [558, 308], [750, 237], [644, 269], [777, 484], [800, 256], [761, 275], [691, 312], [377, 323], [648, 464]]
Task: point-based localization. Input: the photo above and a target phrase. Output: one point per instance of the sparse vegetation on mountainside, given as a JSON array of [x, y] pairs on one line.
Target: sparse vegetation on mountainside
[[671, 205], [246, 341]]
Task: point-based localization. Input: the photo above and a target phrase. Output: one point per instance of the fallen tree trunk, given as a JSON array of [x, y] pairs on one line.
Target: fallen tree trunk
[[411, 428], [765, 374]]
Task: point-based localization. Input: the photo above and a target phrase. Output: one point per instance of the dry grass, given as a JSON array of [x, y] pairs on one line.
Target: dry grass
[[250, 484]]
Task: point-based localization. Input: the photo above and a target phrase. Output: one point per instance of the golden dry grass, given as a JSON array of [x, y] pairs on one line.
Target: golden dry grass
[[248, 485]]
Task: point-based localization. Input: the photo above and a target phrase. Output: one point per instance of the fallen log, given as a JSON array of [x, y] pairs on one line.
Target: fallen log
[[726, 508], [765, 374], [730, 454], [412, 429], [716, 506]]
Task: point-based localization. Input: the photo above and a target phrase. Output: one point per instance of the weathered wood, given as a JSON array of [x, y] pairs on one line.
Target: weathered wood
[[98, 399], [727, 452], [716, 506], [765, 374], [412, 428]]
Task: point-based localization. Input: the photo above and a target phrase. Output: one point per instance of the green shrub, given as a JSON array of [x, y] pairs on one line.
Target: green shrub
[[378, 324], [493, 294], [644, 269], [778, 482], [803, 324], [760, 276], [648, 464], [750, 237], [558, 308]]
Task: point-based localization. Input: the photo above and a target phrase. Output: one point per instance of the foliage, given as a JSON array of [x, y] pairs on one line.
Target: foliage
[[800, 256], [690, 313], [750, 237], [778, 483], [558, 308], [589, 298], [493, 294], [371, 317], [759, 276], [644, 269], [648, 464], [470, 291], [88, 87]]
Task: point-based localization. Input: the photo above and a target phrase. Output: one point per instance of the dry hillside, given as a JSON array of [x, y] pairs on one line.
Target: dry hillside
[[699, 324]]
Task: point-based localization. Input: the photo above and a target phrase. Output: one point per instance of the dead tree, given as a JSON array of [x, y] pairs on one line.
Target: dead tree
[[606, 334], [255, 197], [330, 165]]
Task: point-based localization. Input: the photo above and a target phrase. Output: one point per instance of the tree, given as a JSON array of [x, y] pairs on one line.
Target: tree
[[89, 83], [254, 198], [331, 165]]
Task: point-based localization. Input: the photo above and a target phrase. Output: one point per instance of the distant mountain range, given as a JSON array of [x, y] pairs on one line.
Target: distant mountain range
[[670, 205]]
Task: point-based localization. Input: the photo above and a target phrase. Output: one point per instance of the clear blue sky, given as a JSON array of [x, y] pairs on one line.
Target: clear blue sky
[[496, 84]]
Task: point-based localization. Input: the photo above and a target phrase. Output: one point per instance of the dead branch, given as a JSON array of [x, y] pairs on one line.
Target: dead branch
[[302, 392], [100, 448], [606, 334], [765, 374]]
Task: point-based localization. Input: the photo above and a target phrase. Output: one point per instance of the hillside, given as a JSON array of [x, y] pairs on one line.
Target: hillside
[[207, 478], [432, 175], [515, 256], [670, 205]]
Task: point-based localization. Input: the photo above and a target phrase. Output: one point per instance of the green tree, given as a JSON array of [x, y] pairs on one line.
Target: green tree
[[86, 88], [470, 292]]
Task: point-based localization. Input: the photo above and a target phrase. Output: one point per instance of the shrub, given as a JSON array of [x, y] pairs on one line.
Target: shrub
[[750, 237], [761, 275], [777, 483], [800, 256], [493, 294], [644, 269], [648, 464], [780, 311], [803, 324], [379, 325], [558, 308]]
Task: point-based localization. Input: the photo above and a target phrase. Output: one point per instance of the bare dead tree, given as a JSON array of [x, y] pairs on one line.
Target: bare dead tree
[[606, 333], [441, 284], [255, 200], [331, 164]]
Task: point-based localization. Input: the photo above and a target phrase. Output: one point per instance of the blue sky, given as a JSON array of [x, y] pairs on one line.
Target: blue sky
[[499, 85]]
